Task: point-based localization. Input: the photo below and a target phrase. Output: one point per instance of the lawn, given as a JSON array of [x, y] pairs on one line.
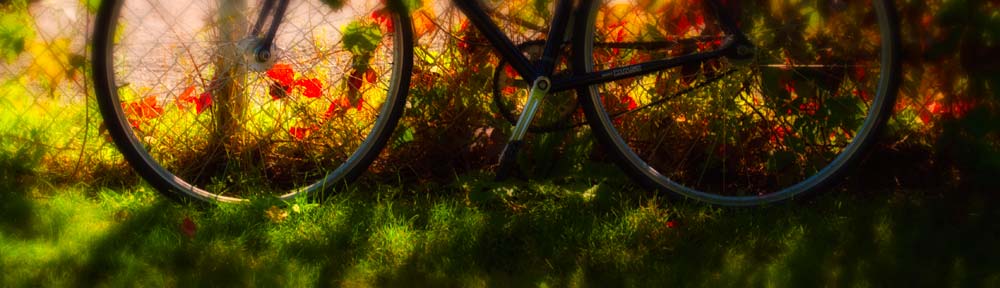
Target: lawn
[[920, 210], [574, 231]]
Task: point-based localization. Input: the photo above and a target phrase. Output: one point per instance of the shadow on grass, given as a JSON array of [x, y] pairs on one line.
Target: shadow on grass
[[598, 232], [18, 165], [876, 238], [150, 244]]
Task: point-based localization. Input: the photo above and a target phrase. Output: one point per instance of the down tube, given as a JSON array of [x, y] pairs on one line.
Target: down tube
[[498, 40]]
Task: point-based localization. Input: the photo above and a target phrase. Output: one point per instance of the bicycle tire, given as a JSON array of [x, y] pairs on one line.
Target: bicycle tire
[[274, 138], [763, 143]]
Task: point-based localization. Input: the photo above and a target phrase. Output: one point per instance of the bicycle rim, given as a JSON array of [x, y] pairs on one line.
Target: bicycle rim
[[746, 132], [198, 118]]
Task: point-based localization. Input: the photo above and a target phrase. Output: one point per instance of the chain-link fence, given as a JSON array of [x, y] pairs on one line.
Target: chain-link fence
[[50, 113], [49, 121]]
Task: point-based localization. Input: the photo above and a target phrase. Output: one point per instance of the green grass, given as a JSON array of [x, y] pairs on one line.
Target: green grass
[[585, 231], [71, 214]]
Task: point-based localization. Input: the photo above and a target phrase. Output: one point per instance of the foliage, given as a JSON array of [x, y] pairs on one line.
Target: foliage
[[951, 80], [91, 5], [16, 29]]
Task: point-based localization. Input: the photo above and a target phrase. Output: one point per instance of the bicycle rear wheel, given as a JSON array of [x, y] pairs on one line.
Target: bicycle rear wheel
[[196, 115], [822, 82]]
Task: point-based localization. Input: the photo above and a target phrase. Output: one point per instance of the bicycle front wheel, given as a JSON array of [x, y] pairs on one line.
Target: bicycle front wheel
[[796, 115], [199, 117]]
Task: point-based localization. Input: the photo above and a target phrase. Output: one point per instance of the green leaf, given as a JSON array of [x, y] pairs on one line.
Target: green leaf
[[405, 137], [360, 38], [15, 31], [334, 4], [91, 5], [541, 8]]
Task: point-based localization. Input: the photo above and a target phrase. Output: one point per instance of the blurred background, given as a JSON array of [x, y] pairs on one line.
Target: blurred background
[[945, 130]]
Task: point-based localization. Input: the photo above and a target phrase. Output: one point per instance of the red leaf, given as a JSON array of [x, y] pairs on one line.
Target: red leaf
[[683, 25], [509, 90], [790, 87], [631, 103], [510, 72], [344, 102], [188, 227], [282, 73], [465, 26], [778, 134], [354, 82], [864, 94], [299, 132], [463, 43], [185, 97], [203, 102], [370, 76], [134, 123], [925, 117], [671, 224], [139, 112], [151, 108], [361, 102], [859, 72], [809, 107], [338, 106], [382, 17], [312, 88]]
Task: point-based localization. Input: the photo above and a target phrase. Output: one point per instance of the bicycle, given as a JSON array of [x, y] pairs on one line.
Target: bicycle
[[738, 104]]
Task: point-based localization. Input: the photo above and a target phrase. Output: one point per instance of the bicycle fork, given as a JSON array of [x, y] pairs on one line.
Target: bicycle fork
[[258, 47], [508, 158]]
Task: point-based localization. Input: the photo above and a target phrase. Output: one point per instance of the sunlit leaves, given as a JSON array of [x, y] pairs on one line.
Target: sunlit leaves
[[361, 38], [283, 74], [15, 31], [311, 87], [300, 132], [91, 5], [384, 20], [185, 98], [405, 136], [334, 4], [53, 61], [285, 81], [201, 102], [142, 111]]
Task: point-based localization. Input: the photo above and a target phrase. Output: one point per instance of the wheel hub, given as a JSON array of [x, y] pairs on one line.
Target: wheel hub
[[257, 55]]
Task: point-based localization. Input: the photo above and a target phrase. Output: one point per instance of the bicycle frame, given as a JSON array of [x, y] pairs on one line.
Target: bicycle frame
[[529, 71], [264, 52], [734, 45]]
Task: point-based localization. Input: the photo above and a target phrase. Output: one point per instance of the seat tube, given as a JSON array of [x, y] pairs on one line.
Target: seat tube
[[497, 39], [557, 32]]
